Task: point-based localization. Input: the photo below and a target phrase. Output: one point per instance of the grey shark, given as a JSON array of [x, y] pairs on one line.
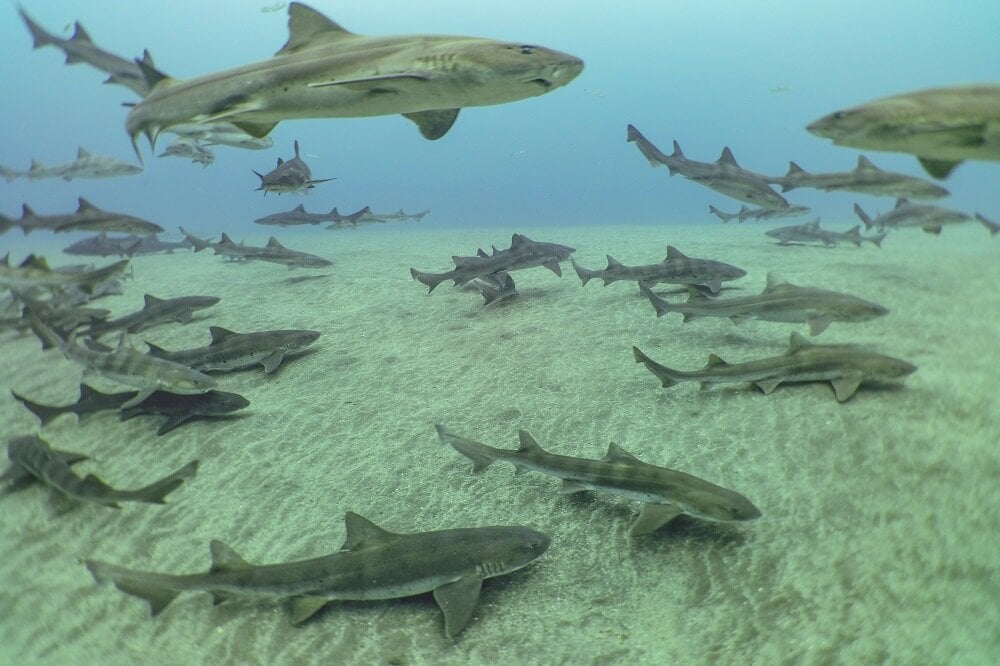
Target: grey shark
[[235, 351], [942, 127], [87, 217], [928, 217], [399, 216], [274, 252], [192, 149], [128, 366], [846, 367], [372, 564], [780, 301], [324, 71], [103, 245], [522, 253], [31, 456], [724, 175], [295, 217], [291, 175], [865, 178], [154, 311], [812, 233], [34, 272], [178, 409], [745, 213], [221, 134], [81, 48], [664, 493], [86, 165], [676, 268], [496, 288], [340, 221]]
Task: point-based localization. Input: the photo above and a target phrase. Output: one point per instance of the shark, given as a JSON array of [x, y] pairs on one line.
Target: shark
[[928, 217], [86, 165], [745, 213], [295, 217], [34, 272], [221, 134], [325, 71], [994, 227], [373, 564], [725, 175], [292, 175], [522, 253], [812, 232], [339, 221], [274, 252], [234, 351], [846, 367], [81, 48], [154, 311], [87, 217], [496, 288], [866, 178], [676, 268], [780, 301], [399, 216], [942, 127], [664, 493], [126, 365], [184, 146], [32, 457], [178, 409], [103, 245]]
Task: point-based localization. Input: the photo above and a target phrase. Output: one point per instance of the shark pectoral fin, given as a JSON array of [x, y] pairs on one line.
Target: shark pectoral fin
[[740, 319], [256, 130], [932, 229], [652, 517], [458, 600], [938, 168], [433, 124], [61, 504], [553, 265], [569, 487], [304, 608], [818, 324], [845, 387], [272, 362], [767, 385], [714, 286], [137, 398], [158, 598]]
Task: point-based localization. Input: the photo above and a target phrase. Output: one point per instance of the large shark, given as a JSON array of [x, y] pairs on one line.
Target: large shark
[[373, 563], [664, 493], [324, 71]]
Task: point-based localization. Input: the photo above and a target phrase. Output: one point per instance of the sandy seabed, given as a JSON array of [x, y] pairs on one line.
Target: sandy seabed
[[878, 541]]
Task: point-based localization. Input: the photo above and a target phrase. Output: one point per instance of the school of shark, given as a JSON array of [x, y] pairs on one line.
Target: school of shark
[[324, 71]]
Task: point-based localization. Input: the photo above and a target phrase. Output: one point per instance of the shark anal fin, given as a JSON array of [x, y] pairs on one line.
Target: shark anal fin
[[433, 124], [304, 608], [569, 487], [458, 600]]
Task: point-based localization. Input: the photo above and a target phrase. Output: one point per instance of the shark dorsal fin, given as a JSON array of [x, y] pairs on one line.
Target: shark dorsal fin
[[307, 26], [677, 150], [519, 239], [301, 208], [797, 342], [362, 532], [26, 211], [794, 169], [83, 206], [814, 224], [82, 153], [527, 442], [80, 34], [219, 334], [296, 143], [674, 253], [902, 201], [865, 164], [149, 299], [225, 558], [36, 165], [714, 361], [124, 344], [226, 239], [32, 261], [618, 454], [613, 263], [481, 253], [273, 242], [727, 158], [153, 76], [774, 283]]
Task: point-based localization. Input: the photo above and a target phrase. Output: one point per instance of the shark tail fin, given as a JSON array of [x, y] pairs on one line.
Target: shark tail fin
[[480, 454], [854, 235], [662, 306], [153, 588], [864, 217], [45, 413], [662, 372], [40, 37], [585, 274], [6, 224], [156, 493], [8, 174], [876, 240], [432, 280], [992, 226]]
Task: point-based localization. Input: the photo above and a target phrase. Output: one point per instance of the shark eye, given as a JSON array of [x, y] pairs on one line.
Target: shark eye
[[527, 50]]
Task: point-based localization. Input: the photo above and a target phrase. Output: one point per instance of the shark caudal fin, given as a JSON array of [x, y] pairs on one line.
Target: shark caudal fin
[[480, 454], [662, 306], [662, 372], [432, 280], [150, 587], [864, 217], [156, 493]]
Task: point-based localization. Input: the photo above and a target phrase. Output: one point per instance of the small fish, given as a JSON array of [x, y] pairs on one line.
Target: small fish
[[846, 367], [676, 268], [32, 455], [293, 175], [664, 493], [942, 127], [372, 564], [780, 301]]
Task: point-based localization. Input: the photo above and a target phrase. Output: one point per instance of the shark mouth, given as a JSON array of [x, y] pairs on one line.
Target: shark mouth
[[545, 83]]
